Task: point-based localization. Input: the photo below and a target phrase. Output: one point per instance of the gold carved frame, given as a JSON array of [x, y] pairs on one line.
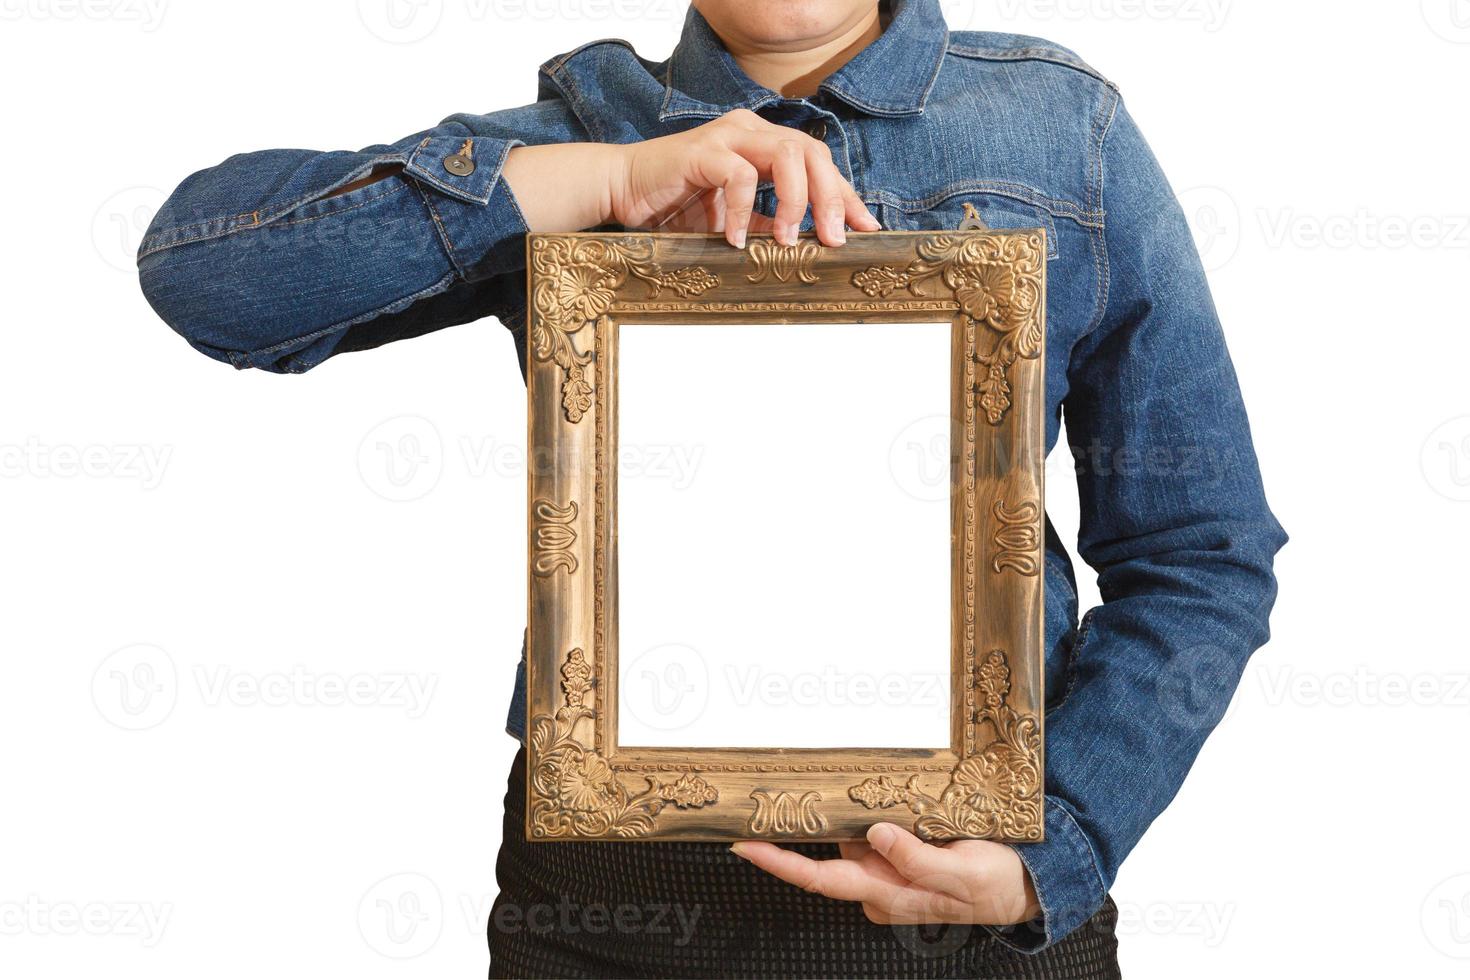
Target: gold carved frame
[[988, 782]]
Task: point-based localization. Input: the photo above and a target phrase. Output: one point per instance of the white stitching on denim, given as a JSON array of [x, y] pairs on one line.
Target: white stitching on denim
[[1100, 254], [424, 174], [451, 252], [1066, 808], [1053, 56], [557, 63], [566, 85], [1019, 192], [894, 108], [205, 230]]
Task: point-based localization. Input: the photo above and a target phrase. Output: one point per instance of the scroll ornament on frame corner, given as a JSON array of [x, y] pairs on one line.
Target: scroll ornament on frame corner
[[997, 281], [575, 792], [577, 280], [995, 793]]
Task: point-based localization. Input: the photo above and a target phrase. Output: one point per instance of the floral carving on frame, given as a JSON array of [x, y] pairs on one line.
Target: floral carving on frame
[[575, 793], [996, 792], [576, 282], [997, 282]]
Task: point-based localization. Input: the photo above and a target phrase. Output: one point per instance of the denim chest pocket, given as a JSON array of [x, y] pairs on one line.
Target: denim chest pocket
[[946, 211]]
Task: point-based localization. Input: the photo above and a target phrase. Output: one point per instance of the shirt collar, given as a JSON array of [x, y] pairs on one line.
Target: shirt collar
[[890, 77]]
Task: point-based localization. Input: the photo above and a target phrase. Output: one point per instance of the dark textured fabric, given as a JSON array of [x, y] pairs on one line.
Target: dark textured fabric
[[654, 909]]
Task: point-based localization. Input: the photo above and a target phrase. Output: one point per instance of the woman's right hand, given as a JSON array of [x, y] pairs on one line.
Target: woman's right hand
[[703, 179]]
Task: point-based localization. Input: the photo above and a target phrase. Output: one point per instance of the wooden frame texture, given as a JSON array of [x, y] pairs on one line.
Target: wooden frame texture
[[988, 782]]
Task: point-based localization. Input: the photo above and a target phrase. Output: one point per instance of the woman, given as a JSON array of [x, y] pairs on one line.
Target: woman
[[823, 115]]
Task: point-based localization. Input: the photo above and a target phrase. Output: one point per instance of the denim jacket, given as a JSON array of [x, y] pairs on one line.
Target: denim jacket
[[255, 265]]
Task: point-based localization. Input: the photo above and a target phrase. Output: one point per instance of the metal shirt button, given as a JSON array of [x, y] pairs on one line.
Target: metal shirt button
[[459, 165], [816, 129]]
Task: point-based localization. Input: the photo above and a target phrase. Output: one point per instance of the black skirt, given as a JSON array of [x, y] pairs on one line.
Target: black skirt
[[664, 909]]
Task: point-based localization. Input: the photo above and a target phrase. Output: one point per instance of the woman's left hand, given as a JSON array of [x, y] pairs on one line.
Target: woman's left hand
[[902, 880]]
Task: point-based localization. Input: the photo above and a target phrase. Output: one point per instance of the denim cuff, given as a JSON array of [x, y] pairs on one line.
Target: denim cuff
[[475, 213], [1069, 885]]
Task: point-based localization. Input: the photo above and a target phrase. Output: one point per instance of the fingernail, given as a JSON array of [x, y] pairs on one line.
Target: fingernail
[[880, 835], [840, 238], [736, 849], [740, 238]]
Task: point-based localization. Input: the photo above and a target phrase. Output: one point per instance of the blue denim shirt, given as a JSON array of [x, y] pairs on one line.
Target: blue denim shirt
[[254, 265]]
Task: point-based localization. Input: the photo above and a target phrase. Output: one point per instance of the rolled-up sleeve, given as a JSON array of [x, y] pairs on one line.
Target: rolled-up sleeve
[[262, 261], [1175, 522]]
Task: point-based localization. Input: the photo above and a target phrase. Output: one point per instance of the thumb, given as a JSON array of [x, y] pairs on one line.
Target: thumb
[[911, 857]]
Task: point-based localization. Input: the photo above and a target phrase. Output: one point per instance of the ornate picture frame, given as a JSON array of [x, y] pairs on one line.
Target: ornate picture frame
[[987, 783]]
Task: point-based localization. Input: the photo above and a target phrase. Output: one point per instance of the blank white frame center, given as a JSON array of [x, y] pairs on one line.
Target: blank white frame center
[[780, 583]]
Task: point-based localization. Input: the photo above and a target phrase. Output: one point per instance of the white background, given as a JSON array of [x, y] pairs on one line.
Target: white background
[[758, 600], [242, 549]]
